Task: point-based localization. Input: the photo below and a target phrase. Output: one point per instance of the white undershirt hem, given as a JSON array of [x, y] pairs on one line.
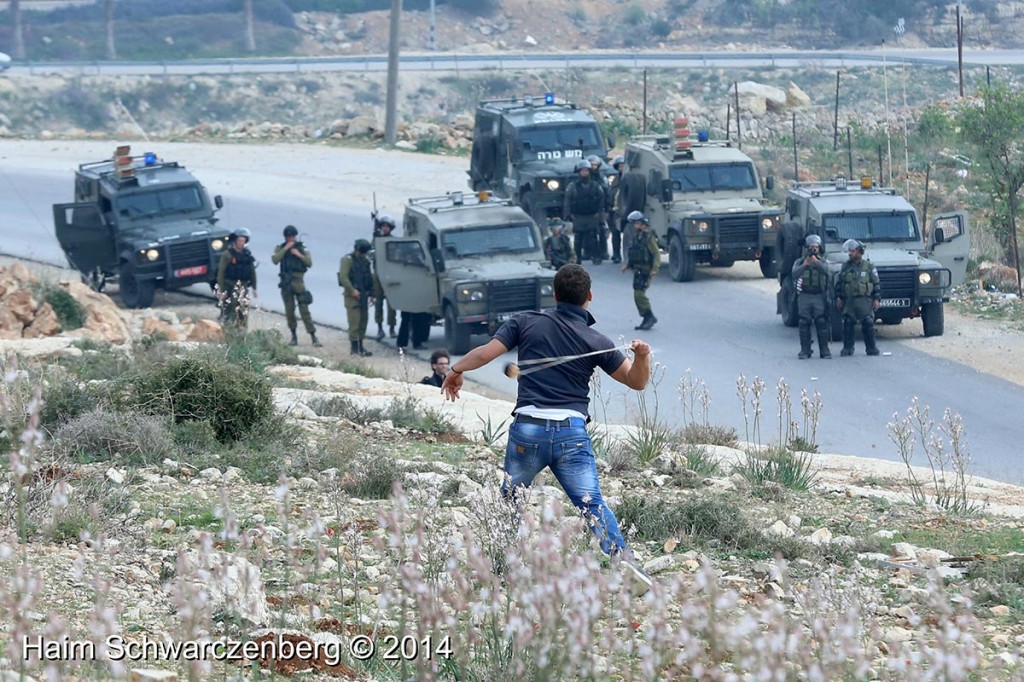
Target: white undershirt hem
[[552, 413]]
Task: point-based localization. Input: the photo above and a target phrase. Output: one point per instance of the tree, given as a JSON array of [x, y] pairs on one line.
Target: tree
[[19, 38], [108, 20], [994, 124], [250, 27]]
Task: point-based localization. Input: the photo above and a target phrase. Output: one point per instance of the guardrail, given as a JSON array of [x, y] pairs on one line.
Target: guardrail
[[500, 62]]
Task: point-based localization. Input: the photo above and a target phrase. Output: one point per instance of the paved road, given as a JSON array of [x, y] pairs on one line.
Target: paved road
[[451, 61], [720, 325]]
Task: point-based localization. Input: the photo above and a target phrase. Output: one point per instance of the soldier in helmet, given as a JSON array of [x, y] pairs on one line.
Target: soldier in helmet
[[602, 234], [618, 221], [814, 287], [557, 247], [385, 226], [858, 295], [356, 277], [644, 258], [236, 275], [584, 205], [294, 259]]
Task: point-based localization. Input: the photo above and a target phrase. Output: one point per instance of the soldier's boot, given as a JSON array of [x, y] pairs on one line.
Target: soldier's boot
[[869, 339], [823, 338], [294, 340], [649, 321], [391, 332], [362, 351], [643, 322], [805, 340], [316, 341], [847, 337], [653, 321], [355, 347], [380, 332]]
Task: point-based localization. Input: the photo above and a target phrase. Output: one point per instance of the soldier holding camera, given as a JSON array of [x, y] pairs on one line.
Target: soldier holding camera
[[294, 260], [814, 287]]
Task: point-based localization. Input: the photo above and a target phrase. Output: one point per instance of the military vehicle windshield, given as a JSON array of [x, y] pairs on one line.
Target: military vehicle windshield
[[488, 240], [890, 226], [180, 199], [560, 141], [712, 177]]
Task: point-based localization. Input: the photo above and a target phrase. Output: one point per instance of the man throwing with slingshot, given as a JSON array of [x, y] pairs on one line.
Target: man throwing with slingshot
[[550, 426]]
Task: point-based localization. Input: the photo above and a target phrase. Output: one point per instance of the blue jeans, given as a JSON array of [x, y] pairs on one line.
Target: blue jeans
[[567, 450]]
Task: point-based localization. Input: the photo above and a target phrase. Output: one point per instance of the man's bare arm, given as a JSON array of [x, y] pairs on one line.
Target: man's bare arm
[[635, 373], [474, 359]]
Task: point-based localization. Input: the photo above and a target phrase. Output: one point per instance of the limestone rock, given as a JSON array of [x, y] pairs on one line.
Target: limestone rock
[[822, 536], [362, 125], [233, 585], [781, 529], [153, 326], [206, 331], [44, 324], [795, 97], [150, 675], [21, 305]]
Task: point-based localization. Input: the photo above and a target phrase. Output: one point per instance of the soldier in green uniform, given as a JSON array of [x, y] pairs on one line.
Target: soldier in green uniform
[[644, 258], [858, 295], [814, 287], [557, 247], [356, 277], [236, 275], [294, 260], [584, 205], [384, 227]]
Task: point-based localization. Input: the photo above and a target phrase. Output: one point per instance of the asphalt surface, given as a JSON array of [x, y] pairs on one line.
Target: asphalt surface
[[720, 325]]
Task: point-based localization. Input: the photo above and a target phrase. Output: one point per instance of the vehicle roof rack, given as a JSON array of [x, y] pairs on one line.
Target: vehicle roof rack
[[458, 199], [525, 102], [817, 188]]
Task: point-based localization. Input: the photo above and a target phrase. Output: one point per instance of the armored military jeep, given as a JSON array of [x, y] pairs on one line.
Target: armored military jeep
[[525, 150], [470, 260], [915, 269], [704, 200], [146, 222]]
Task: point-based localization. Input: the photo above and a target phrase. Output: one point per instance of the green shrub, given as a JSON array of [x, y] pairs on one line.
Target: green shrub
[[125, 438], [702, 460], [65, 398], [371, 476], [648, 440], [779, 465], [999, 582], [202, 387], [69, 311], [661, 29], [260, 349], [703, 519], [273, 449], [709, 434], [634, 15]]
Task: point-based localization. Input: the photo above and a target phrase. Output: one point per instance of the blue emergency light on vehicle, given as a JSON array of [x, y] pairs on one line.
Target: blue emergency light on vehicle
[[702, 136], [549, 98], [149, 159]]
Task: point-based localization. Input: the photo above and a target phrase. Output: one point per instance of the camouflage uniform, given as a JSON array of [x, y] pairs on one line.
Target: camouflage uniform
[[293, 286], [857, 288], [355, 276], [236, 275]]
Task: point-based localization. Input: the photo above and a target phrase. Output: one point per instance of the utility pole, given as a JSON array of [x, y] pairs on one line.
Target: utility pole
[[250, 27], [433, 27], [960, 47], [108, 20], [390, 124], [19, 38]]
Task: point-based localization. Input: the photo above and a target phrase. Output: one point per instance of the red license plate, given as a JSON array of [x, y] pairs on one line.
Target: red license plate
[[190, 272]]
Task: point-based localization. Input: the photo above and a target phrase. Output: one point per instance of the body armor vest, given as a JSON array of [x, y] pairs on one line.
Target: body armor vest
[[240, 267]]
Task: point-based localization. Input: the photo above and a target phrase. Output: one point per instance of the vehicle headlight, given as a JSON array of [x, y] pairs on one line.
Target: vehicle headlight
[[471, 293], [925, 278], [217, 244], [769, 223], [612, 179], [546, 289], [702, 226], [552, 184], [152, 254]]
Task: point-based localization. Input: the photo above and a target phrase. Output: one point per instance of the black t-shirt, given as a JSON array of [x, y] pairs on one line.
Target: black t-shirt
[[566, 330], [432, 380]]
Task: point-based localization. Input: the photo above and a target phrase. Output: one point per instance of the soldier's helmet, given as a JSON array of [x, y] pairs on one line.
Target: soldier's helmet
[[618, 161], [291, 231], [556, 224], [637, 216], [852, 245], [812, 240], [385, 219], [594, 160], [240, 232], [582, 165], [362, 246]]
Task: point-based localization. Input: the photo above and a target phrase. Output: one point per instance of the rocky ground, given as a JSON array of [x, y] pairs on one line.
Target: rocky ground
[[201, 541]]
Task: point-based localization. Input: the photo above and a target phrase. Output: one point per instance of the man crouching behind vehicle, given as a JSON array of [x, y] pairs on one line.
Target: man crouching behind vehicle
[[550, 426]]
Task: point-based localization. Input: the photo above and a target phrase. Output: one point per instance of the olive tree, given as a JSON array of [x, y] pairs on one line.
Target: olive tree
[[993, 123]]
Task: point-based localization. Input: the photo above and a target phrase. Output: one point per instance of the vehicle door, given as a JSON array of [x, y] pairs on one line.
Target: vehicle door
[[949, 243], [87, 241], [407, 274], [508, 154]]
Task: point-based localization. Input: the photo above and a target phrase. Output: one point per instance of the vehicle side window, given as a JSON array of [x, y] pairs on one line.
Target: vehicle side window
[[407, 253], [952, 226], [793, 207]]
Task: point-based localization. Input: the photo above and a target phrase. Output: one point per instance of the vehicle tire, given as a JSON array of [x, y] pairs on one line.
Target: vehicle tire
[[456, 336], [790, 246], [483, 154], [682, 263], [634, 192], [135, 293], [835, 319], [933, 317], [723, 263], [769, 263], [790, 314]]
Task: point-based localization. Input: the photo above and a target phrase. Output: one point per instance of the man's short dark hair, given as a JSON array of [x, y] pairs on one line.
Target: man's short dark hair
[[572, 284], [438, 354]]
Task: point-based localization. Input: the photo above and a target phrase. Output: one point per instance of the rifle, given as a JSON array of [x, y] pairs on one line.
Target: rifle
[[373, 217]]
